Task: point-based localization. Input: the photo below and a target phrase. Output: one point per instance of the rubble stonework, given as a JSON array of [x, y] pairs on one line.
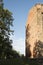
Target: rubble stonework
[[34, 28]]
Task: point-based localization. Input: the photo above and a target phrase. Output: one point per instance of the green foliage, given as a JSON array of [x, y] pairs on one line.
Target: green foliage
[[6, 21], [21, 61]]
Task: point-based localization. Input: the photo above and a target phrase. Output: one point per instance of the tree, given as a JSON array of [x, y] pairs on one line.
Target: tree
[[38, 49], [6, 21]]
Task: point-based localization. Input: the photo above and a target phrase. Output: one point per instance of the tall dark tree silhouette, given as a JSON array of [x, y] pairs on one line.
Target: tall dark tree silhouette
[[6, 20]]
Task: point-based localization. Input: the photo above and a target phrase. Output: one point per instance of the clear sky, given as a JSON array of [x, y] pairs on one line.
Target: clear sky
[[20, 10]]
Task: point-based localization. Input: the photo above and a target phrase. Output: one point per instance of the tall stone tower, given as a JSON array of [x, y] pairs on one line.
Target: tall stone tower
[[34, 29]]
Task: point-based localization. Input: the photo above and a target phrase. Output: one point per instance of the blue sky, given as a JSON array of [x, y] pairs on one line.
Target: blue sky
[[20, 10]]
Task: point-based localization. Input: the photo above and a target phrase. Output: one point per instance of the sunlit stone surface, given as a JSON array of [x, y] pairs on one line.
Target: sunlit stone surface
[[34, 27]]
